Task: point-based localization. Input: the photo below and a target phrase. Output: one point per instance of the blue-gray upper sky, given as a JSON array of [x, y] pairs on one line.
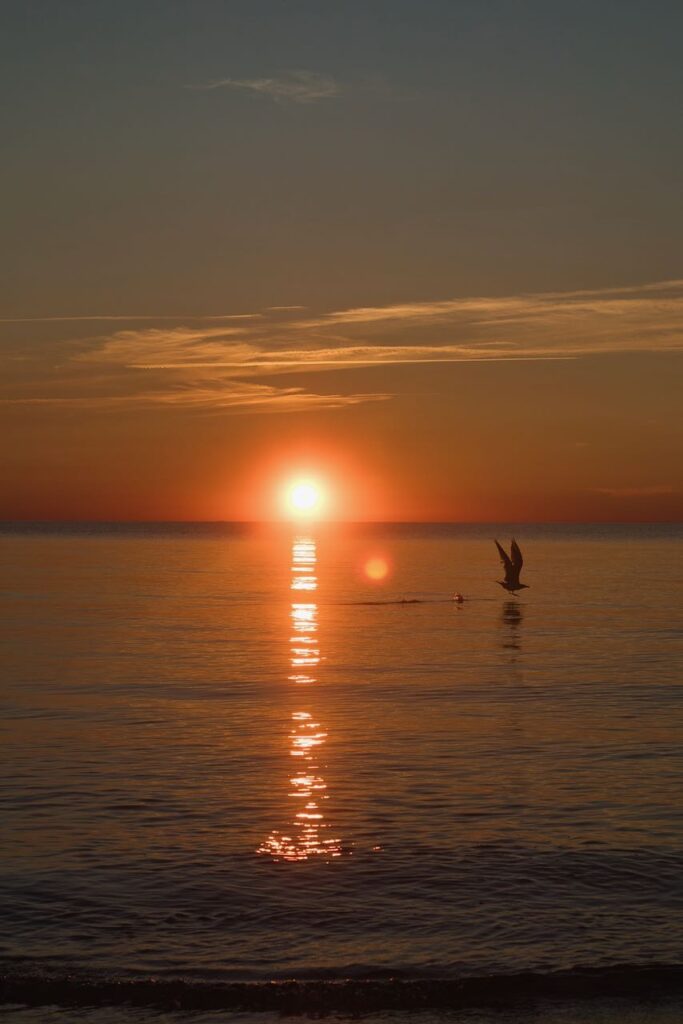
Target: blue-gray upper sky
[[379, 163]]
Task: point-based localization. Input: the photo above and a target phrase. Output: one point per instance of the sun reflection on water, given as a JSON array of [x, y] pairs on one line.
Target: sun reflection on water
[[309, 831], [304, 650]]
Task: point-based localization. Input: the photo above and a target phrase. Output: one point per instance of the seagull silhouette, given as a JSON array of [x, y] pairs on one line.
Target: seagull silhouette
[[513, 566]]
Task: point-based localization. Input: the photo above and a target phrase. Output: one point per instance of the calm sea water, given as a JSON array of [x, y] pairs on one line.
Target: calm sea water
[[232, 754]]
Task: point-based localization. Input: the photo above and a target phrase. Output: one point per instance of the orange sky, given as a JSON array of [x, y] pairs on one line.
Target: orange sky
[[429, 252], [589, 438]]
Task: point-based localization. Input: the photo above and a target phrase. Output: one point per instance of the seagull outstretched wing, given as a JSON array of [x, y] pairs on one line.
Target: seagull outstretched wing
[[513, 566], [505, 559], [517, 559]]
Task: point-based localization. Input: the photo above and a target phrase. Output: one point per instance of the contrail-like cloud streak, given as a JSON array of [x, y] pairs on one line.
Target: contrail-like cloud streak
[[288, 340]]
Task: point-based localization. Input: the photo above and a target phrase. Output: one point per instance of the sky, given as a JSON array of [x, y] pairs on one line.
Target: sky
[[425, 251]]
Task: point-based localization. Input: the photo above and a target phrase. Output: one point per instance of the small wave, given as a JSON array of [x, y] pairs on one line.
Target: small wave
[[378, 991]]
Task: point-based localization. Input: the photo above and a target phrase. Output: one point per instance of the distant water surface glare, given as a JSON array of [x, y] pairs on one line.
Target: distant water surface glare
[[238, 754]]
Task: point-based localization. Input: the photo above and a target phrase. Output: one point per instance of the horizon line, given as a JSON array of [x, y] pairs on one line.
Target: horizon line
[[336, 522]]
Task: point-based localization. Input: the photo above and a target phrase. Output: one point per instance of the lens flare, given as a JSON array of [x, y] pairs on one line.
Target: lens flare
[[376, 568]]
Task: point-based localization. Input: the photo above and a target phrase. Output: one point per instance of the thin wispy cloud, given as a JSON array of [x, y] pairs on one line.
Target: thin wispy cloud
[[215, 365], [303, 360], [646, 317], [131, 318], [163, 346], [534, 326], [290, 87], [545, 325], [217, 395]]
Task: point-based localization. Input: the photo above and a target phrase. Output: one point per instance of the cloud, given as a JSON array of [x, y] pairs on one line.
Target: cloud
[[303, 360], [534, 326], [551, 325], [103, 374], [217, 395], [291, 86], [164, 346], [249, 351], [131, 318], [283, 309], [203, 363], [647, 318]]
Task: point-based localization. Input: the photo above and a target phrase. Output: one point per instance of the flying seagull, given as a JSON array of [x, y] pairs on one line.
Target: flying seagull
[[513, 566]]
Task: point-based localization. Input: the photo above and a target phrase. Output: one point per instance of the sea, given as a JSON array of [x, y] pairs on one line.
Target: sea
[[253, 770]]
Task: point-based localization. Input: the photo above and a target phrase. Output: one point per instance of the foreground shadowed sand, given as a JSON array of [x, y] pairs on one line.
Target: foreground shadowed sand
[[607, 1011]]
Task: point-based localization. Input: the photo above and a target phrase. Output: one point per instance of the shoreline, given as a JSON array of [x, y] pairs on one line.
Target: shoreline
[[354, 996]]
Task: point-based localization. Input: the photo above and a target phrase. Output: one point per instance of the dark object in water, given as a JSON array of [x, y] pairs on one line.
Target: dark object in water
[[458, 598], [513, 566]]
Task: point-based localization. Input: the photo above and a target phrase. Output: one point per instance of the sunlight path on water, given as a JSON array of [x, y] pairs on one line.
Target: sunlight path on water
[[504, 772], [308, 830]]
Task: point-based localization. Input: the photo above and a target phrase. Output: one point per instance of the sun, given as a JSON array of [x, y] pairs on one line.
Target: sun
[[304, 497]]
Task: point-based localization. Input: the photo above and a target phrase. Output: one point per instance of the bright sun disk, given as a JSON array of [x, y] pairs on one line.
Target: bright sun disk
[[304, 497]]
